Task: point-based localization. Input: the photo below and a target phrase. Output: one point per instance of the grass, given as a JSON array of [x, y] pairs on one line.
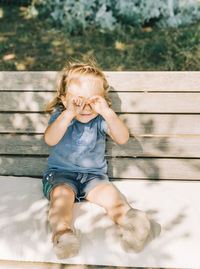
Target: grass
[[32, 44]]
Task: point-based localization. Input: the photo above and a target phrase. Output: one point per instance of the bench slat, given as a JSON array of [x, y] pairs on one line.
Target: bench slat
[[122, 168], [126, 102], [136, 146], [138, 124], [121, 81], [46, 265], [161, 110]]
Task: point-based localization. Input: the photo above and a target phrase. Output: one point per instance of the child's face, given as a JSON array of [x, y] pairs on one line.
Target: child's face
[[86, 87]]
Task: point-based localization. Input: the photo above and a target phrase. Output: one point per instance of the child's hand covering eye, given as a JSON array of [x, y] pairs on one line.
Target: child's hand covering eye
[[75, 105], [98, 104]]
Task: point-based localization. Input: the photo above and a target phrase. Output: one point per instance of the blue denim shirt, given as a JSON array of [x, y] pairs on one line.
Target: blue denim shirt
[[81, 149]]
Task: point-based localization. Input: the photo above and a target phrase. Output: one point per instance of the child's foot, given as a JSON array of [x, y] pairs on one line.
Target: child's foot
[[65, 244], [135, 230]]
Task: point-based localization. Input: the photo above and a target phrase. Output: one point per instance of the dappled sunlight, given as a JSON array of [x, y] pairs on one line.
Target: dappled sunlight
[[29, 81], [20, 66], [57, 43], [28, 122], [28, 97], [150, 131], [9, 57], [18, 121], [30, 60], [32, 101], [156, 136], [3, 38], [119, 45], [32, 122], [135, 168], [147, 29], [69, 51], [28, 12], [176, 221], [158, 166], [43, 81], [126, 49], [121, 102], [1, 13], [25, 223], [102, 234], [154, 151]]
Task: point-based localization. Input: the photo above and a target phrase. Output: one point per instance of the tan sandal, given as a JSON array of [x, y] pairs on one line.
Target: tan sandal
[[65, 244], [134, 230]]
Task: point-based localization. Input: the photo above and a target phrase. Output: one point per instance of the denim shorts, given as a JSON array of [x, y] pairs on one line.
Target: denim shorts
[[80, 183]]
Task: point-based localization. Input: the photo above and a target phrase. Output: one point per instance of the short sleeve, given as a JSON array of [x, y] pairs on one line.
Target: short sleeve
[[53, 117], [103, 126]]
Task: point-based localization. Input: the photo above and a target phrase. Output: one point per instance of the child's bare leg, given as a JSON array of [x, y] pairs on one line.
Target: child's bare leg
[[135, 225], [60, 214], [108, 197]]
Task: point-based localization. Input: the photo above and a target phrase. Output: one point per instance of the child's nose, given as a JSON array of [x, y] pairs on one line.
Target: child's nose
[[87, 107]]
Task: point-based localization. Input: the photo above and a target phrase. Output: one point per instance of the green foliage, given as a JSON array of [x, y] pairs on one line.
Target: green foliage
[[108, 14], [34, 45], [3, 47], [139, 12], [180, 12], [163, 13], [78, 15]]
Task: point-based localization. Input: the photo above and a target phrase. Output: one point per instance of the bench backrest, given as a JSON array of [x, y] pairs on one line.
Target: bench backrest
[[161, 110]]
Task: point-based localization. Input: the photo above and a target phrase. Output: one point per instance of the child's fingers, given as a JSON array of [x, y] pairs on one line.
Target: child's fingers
[[82, 105], [77, 101], [93, 99], [74, 100], [70, 101], [81, 101]]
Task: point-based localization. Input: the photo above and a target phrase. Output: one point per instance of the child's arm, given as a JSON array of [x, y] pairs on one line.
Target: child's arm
[[57, 129], [117, 129]]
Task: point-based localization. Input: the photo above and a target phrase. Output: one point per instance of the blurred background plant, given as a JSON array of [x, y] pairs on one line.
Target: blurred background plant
[[119, 34], [108, 14]]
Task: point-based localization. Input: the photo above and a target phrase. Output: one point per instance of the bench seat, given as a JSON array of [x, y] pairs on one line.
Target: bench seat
[[25, 234], [158, 170]]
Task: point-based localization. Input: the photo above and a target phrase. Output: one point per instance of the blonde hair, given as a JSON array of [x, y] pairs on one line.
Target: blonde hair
[[67, 73]]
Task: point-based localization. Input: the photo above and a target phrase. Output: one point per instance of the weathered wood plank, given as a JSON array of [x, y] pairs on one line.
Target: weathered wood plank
[[138, 124], [121, 168], [121, 81], [154, 81], [28, 81], [25, 122], [47, 265], [186, 146], [121, 102]]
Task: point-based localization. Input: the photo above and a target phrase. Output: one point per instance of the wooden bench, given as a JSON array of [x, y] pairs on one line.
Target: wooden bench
[[158, 169]]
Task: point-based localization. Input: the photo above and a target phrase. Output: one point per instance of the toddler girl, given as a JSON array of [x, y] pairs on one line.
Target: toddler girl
[[77, 169]]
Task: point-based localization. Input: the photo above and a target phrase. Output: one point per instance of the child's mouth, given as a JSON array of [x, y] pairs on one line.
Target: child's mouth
[[85, 115]]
